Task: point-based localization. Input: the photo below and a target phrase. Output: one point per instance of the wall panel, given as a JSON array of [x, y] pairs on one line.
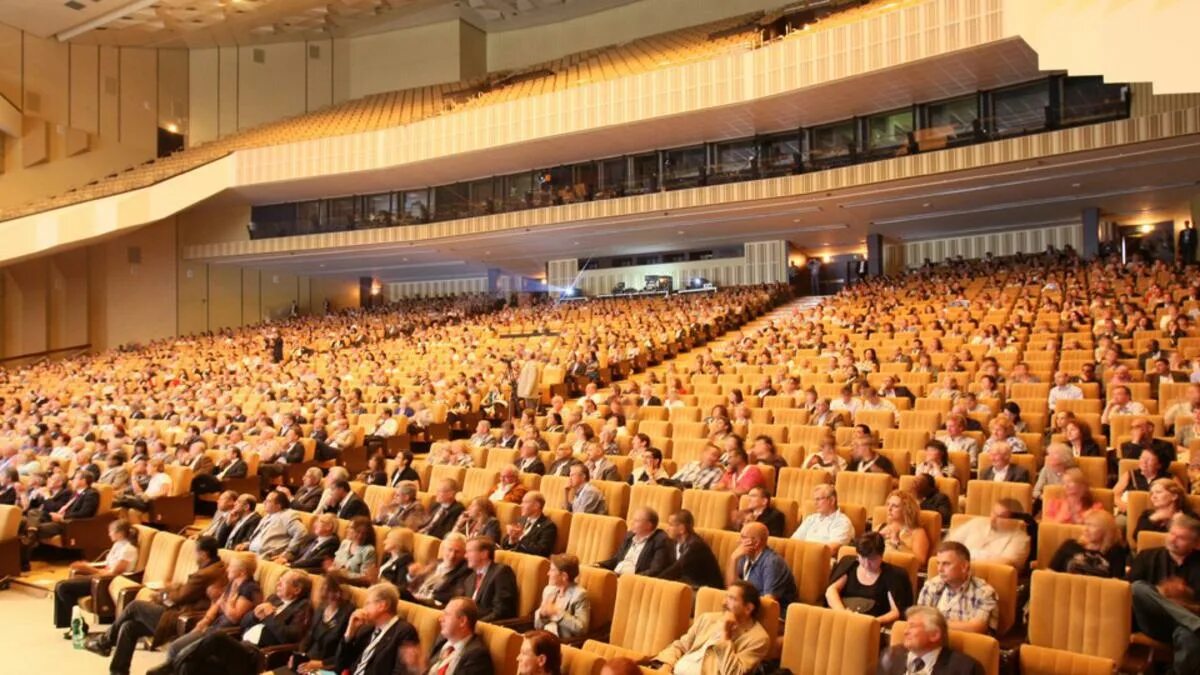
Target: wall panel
[[174, 89], [139, 97], [273, 88], [913, 254], [224, 296], [227, 90], [85, 88], [251, 297], [68, 300], [10, 64], [318, 74], [193, 298], [437, 288], [203, 96]]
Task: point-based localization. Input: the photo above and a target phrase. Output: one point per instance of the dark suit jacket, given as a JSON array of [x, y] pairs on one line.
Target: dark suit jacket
[[307, 498], [697, 566], [8, 495], [1166, 451], [474, 660], [774, 520], [497, 597], [323, 639], [539, 540], [282, 628], [83, 506], [396, 571], [236, 470], [654, 558], [450, 585], [203, 464], [312, 558], [439, 525], [562, 467], [354, 506], [1016, 474], [295, 453], [385, 659], [949, 662], [406, 474], [535, 465], [243, 534]]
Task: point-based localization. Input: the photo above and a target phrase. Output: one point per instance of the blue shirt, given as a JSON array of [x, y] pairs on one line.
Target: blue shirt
[[770, 575]]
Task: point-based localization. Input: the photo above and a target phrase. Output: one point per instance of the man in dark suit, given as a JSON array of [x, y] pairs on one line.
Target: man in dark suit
[[83, 503], [528, 460], [344, 503], [242, 522], [1161, 372], [492, 585], [646, 549], [318, 547], [458, 645], [692, 561], [1142, 438], [1002, 469], [445, 510], [284, 618], [308, 495], [157, 617], [534, 533], [376, 638], [927, 640]]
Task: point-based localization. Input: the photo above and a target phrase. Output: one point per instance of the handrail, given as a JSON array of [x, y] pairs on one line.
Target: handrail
[[48, 352]]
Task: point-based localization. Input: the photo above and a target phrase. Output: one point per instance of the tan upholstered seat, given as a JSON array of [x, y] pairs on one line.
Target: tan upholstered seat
[[722, 542], [478, 483], [664, 500], [425, 547], [809, 562], [578, 662], [424, 620], [1036, 660], [531, 571], [441, 471], [981, 494], [713, 600], [821, 641], [376, 497], [268, 574], [983, 648], [554, 489], [1050, 537], [616, 496], [868, 490], [562, 522], [594, 538], [710, 508], [1081, 614], [649, 613], [798, 484], [504, 645]]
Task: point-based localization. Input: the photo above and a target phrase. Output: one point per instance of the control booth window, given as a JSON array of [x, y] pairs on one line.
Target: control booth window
[[734, 161], [780, 154], [1090, 99], [832, 145], [889, 134], [684, 167], [1020, 110], [949, 123]]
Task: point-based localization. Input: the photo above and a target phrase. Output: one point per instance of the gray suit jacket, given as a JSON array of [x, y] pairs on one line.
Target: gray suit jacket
[[277, 533], [575, 608]]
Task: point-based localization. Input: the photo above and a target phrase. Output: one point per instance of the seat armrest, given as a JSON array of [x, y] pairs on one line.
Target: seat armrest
[[102, 603]]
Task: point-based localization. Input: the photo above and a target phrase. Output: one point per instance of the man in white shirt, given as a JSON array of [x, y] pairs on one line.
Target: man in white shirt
[[1063, 390], [828, 525], [1001, 538], [847, 402], [1119, 403], [955, 439]]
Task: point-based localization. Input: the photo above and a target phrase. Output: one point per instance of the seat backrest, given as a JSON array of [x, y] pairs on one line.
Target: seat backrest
[[554, 489], [531, 571], [809, 562], [500, 457], [503, 644], [185, 561], [983, 648], [440, 471], [425, 547], [616, 496], [664, 500], [650, 613], [10, 521], [1045, 661], [424, 620], [164, 551], [106, 498], [478, 482], [865, 489], [562, 522], [710, 508], [377, 496], [981, 494], [1050, 537], [268, 574], [578, 662], [594, 537], [181, 479], [821, 641], [145, 540], [798, 484], [1083, 614], [601, 587]]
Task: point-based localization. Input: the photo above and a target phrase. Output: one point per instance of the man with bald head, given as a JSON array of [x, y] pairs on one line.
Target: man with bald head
[[754, 562], [284, 617], [646, 549]]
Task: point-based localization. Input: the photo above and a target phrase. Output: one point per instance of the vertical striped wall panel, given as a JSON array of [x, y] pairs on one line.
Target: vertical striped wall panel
[[436, 288], [913, 254]]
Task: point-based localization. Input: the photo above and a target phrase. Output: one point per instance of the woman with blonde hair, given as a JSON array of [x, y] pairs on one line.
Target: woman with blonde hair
[[902, 531], [1098, 551], [1076, 501], [1167, 498]]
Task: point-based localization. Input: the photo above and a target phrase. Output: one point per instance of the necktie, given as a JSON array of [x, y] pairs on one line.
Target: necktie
[[367, 653], [445, 660], [478, 584], [916, 666]]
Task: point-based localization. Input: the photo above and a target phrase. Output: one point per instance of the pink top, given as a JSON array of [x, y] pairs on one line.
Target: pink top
[[1059, 511], [750, 477]]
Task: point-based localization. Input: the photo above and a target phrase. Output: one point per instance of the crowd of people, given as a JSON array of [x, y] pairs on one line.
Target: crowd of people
[[971, 330]]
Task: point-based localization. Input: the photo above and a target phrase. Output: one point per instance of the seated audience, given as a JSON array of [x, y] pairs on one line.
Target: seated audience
[[902, 531], [457, 646], [533, 533], [403, 509], [356, 560], [479, 520], [1002, 469], [936, 461], [444, 511], [727, 642], [508, 487], [758, 509], [703, 473], [740, 475], [1000, 538], [280, 530], [316, 551], [1074, 503], [646, 550], [925, 648], [754, 562], [376, 637], [541, 654], [867, 460], [865, 584], [565, 610], [1099, 551], [1166, 500], [968, 603], [318, 646], [582, 496], [395, 561], [929, 498], [434, 583], [827, 525], [1166, 585], [1059, 458], [492, 585], [692, 560], [240, 595], [121, 558], [826, 457]]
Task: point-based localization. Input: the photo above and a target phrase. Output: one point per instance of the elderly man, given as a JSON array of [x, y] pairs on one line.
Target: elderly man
[[279, 531], [376, 638], [646, 549], [582, 496], [435, 583], [827, 525], [308, 495], [1142, 438], [925, 648], [445, 510], [967, 602], [1063, 390], [754, 562], [528, 460], [404, 509], [458, 649], [729, 642], [242, 521], [316, 548], [508, 487], [1002, 469], [534, 533], [225, 503], [284, 617], [1120, 403], [598, 464], [955, 436]]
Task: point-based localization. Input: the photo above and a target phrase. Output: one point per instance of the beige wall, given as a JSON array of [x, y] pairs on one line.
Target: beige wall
[[527, 46], [412, 57], [273, 89], [117, 97], [473, 57]]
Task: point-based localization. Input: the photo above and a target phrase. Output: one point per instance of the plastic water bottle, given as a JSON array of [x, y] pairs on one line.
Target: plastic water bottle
[[77, 631]]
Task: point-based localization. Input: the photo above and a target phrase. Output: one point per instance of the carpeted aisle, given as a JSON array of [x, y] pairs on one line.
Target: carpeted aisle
[[30, 638]]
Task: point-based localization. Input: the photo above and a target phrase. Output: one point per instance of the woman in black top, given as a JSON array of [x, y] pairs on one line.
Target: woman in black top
[[318, 650], [1098, 552], [866, 585], [376, 473], [404, 462], [1167, 498], [926, 489]]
